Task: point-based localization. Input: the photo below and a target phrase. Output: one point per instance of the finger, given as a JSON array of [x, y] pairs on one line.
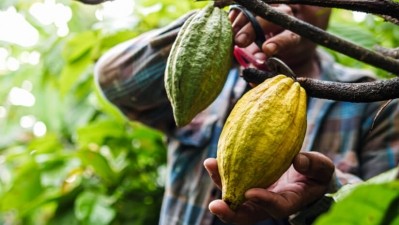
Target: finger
[[220, 209], [247, 213], [284, 8], [211, 167], [270, 27], [278, 43], [240, 20], [233, 14], [315, 166], [277, 205], [244, 31], [254, 50]]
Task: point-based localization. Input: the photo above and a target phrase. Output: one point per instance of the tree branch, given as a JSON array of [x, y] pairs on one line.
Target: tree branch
[[351, 92], [393, 53], [320, 36], [92, 2], [380, 7], [390, 19]]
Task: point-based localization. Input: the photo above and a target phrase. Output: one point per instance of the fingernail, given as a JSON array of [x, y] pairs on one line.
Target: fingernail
[[218, 215], [303, 163], [242, 39], [270, 49], [210, 210], [236, 29]]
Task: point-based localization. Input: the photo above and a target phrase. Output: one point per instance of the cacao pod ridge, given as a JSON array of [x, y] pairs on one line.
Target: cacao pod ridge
[[199, 62], [262, 135]]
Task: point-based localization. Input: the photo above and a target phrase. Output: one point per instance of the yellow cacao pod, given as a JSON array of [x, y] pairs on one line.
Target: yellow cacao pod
[[199, 62], [262, 134]]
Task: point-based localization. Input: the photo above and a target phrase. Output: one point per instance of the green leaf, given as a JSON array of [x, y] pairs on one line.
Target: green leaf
[[110, 40], [72, 72], [67, 217], [94, 209], [106, 107], [99, 164], [353, 33], [78, 55], [78, 114], [98, 131], [49, 143], [385, 177], [79, 46], [370, 204], [53, 61], [25, 188], [7, 3]]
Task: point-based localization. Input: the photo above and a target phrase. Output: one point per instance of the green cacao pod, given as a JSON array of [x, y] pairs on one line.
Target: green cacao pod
[[262, 135], [199, 62]]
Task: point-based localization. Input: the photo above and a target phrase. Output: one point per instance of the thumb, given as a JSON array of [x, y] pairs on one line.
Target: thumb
[[315, 166]]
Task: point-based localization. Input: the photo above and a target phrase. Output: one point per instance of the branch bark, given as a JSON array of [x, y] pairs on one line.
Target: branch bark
[[350, 92], [380, 7], [92, 2], [320, 36], [390, 19], [393, 53]]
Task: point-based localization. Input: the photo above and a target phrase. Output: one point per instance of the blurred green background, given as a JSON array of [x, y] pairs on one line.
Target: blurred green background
[[66, 155]]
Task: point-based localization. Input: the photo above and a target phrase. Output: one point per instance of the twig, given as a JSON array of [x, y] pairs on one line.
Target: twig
[[393, 53], [92, 2], [351, 92], [320, 36], [390, 19]]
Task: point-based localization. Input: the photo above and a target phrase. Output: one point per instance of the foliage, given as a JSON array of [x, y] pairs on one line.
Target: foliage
[[70, 157], [369, 205], [91, 166], [375, 201], [370, 32]]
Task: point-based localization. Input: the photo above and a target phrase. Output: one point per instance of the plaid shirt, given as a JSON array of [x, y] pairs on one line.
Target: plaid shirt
[[131, 77]]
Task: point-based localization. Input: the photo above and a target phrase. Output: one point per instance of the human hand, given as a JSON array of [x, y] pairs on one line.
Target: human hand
[[305, 182], [288, 46]]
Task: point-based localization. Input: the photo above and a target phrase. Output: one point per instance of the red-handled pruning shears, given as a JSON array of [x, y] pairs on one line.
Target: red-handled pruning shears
[[244, 58]]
